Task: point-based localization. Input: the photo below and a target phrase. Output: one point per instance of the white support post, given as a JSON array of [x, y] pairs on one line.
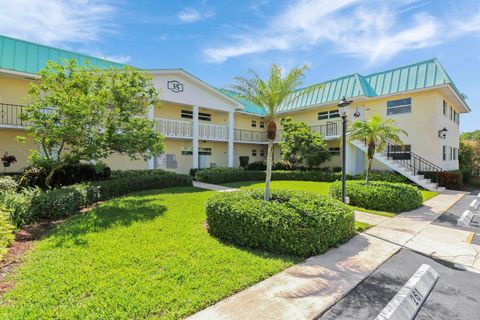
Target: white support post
[[150, 161], [195, 137], [231, 125]]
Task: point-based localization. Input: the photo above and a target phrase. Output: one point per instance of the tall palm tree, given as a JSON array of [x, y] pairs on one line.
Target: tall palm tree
[[270, 94], [376, 132]]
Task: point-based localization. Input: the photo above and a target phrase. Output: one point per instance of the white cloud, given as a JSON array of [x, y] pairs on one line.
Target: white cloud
[[372, 30], [55, 22], [190, 15]]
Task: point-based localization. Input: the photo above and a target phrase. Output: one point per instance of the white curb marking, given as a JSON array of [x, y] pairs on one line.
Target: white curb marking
[[474, 205], [408, 301], [465, 219]]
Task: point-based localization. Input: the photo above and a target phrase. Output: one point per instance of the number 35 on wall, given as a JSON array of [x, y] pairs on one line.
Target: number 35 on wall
[[175, 86]]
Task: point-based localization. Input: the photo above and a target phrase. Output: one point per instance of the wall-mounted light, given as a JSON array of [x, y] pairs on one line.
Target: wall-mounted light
[[442, 134]]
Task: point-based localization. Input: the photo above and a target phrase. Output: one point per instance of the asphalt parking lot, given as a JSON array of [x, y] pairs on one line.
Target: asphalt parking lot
[[456, 295]]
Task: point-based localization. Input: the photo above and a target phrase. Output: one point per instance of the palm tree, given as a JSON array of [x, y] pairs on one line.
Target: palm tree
[[270, 94], [376, 132]]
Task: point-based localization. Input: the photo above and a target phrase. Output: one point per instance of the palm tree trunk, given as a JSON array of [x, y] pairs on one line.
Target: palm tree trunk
[[269, 169], [368, 170]]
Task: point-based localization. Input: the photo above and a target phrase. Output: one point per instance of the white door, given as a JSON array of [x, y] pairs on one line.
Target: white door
[[202, 161]]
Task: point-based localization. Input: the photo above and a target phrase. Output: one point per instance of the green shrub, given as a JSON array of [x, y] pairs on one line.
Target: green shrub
[[382, 176], [225, 175], [6, 230], [8, 184], [19, 204], [244, 161], [65, 175], [116, 174], [257, 166], [378, 195], [293, 222], [57, 203], [282, 165], [448, 179]]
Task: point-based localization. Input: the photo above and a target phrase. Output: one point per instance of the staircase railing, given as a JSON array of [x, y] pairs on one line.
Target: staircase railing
[[412, 161]]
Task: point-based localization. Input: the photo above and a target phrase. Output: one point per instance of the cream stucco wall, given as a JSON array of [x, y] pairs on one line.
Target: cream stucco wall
[[9, 143]]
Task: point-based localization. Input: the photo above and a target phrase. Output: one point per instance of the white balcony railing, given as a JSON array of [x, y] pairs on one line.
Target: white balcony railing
[[174, 128], [212, 132]]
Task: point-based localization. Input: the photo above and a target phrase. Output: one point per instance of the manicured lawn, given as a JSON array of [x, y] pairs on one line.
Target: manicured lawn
[[143, 256], [320, 187]]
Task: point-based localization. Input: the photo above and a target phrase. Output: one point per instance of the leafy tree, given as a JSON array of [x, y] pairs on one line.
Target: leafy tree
[[82, 113], [473, 135], [376, 132], [270, 94], [300, 144], [469, 158]]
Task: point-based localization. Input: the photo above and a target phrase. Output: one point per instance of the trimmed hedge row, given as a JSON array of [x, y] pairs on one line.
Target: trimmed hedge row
[[225, 175], [116, 174], [449, 179], [292, 222], [32, 204], [377, 195]]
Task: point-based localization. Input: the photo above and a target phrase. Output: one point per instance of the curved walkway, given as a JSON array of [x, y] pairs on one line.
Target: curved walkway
[[308, 289]]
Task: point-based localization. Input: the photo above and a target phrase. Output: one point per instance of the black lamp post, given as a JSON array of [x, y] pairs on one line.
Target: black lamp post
[[343, 111]]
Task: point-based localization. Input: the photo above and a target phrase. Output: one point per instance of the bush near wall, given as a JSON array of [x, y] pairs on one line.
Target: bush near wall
[[293, 222], [116, 174], [448, 179], [379, 195], [226, 175]]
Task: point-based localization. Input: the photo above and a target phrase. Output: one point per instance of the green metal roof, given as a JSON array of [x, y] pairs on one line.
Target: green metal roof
[[421, 75], [27, 57]]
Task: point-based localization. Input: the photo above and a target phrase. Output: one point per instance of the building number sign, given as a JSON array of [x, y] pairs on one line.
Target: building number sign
[[175, 86]]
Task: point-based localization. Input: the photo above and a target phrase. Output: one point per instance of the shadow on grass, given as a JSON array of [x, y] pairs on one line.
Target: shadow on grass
[[119, 212]]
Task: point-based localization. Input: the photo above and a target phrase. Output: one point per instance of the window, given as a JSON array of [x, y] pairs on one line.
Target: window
[[399, 106], [455, 153], [451, 113], [254, 152], [201, 116], [254, 123], [201, 151], [186, 114], [334, 151], [204, 116], [444, 108], [262, 152], [323, 115], [331, 114], [262, 124], [451, 153], [444, 153]]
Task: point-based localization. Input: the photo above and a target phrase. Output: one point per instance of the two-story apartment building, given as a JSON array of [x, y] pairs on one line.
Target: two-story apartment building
[[209, 127]]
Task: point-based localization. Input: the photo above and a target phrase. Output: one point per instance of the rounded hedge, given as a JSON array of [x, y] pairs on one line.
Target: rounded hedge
[[379, 195], [292, 222]]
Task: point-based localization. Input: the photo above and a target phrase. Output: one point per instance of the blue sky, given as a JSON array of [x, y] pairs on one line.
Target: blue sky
[[217, 40]]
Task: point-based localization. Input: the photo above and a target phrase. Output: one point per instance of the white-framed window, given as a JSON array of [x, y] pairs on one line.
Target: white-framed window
[[334, 151], [451, 113], [444, 153], [451, 153], [254, 152], [254, 123], [201, 151], [262, 124], [262, 152], [399, 106], [187, 114], [330, 114], [455, 153], [445, 107]]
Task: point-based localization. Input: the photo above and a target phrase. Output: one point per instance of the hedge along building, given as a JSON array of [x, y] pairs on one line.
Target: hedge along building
[[208, 127]]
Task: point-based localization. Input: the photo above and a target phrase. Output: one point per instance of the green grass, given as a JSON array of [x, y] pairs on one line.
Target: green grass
[[143, 256], [361, 226], [320, 187]]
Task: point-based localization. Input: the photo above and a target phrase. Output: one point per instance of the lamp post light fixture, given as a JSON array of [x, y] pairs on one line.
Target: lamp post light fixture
[[343, 111], [442, 134]]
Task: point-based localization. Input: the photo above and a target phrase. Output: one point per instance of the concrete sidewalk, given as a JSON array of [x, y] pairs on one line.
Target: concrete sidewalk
[[308, 289], [214, 187]]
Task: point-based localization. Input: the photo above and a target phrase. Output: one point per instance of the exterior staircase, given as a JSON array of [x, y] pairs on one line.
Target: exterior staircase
[[406, 163]]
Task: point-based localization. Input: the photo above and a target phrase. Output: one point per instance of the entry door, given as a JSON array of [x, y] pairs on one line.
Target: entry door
[[202, 161]]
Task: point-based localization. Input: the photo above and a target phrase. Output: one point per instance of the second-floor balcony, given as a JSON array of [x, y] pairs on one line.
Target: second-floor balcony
[[11, 116]]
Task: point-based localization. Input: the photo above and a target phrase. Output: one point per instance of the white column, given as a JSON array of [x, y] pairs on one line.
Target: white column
[[195, 137], [150, 161], [231, 127]]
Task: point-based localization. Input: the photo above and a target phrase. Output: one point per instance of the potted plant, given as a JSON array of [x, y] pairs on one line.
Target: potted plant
[[7, 160]]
